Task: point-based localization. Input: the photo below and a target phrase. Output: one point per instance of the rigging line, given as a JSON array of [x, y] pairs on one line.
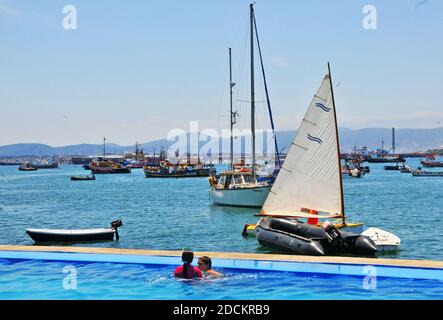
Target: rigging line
[[221, 100], [249, 101], [239, 73], [277, 160]]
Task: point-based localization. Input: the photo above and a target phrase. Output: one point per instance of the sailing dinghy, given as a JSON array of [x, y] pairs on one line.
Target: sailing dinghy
[[311, 178], [59, 235]]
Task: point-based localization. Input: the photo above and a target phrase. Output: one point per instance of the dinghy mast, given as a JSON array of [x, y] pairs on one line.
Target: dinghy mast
[[338, 147]]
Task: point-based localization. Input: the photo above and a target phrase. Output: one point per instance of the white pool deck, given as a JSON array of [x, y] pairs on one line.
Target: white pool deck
[[397, 268]]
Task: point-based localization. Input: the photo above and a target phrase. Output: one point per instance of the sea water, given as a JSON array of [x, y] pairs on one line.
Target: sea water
[[172, 214]]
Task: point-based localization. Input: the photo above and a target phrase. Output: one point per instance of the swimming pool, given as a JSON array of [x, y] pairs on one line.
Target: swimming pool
[[65, 275]]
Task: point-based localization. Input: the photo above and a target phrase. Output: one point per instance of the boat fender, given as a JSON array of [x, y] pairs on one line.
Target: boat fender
[[115, 225], [212, 181], [333, 234], [245, 231]]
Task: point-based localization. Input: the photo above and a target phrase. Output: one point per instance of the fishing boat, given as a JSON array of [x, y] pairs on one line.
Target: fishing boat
[[386, 159], [431, 163], [351, 170], [166, 169], [243, 188], [83, 178], [421, 173], [78, 235], [104, 166], [10, 163], [398, 167], [44, 165], [356, 173], [405, 169], [27, 167], [311, 178], [135, 164]]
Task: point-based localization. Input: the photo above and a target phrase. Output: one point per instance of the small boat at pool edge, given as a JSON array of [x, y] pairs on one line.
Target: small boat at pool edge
[[76, 235]]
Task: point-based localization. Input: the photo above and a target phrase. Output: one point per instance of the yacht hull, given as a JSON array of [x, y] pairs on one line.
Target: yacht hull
[[245, 197]]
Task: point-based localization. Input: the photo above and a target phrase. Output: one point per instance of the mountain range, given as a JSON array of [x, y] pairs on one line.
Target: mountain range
[[407, 140]]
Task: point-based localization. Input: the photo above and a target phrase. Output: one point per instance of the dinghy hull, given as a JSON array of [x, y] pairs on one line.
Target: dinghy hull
[[288, 242], [300, 238], [42, 235]]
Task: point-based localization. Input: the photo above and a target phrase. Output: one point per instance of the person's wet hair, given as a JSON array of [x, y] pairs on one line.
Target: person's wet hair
[[187, 257], [207, 261]]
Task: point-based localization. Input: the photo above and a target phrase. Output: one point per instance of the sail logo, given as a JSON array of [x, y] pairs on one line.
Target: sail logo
[[322, 106], [315, 139]]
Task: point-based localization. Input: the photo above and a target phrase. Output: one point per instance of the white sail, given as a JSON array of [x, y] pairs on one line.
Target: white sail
[[310, 176]]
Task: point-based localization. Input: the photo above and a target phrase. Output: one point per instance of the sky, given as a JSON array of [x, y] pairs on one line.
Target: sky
[[134, 70]]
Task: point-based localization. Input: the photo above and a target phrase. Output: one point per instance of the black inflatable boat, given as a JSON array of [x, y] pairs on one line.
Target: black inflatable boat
[[85, 235], [296, 237]]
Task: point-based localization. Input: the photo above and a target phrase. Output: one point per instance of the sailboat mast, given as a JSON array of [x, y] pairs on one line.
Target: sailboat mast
[[338, 149], [104, 147], [231, 85], [252, 90]]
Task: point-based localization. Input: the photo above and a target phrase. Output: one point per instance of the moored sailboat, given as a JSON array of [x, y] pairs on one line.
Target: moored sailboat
[[242, 188]]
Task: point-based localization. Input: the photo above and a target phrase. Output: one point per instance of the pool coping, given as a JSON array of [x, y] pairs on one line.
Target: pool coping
[[397, 268]]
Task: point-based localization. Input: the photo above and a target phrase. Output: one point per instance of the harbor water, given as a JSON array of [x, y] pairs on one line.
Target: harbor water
[[172, 214]]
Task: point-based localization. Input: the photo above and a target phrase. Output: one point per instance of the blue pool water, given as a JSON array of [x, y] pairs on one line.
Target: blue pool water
[[36, 279], [169, 214]]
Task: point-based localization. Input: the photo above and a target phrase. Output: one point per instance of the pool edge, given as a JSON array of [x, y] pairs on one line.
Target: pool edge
[[433, 264]]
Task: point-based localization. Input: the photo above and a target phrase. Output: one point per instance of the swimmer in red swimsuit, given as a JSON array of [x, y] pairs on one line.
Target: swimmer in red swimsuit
[[187, 271]]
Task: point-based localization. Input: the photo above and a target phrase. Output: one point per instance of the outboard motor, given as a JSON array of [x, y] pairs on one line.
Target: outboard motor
[[334, 236], [115, 225]]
